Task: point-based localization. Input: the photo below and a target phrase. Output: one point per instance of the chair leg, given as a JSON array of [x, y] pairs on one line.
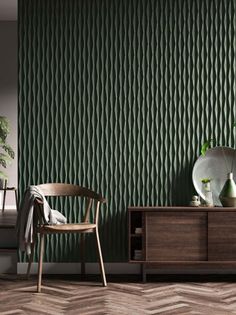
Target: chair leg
[[100, 259], [30, 259], [40, 263], [4, 199], [82, 252]]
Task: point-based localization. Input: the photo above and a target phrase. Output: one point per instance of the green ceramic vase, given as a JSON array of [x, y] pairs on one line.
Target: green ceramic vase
[[228, 193]]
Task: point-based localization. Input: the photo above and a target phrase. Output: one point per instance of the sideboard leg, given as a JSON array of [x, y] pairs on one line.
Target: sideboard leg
[[144, 274]]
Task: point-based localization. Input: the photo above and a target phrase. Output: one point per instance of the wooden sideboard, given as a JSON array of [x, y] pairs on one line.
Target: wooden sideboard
[[186, 238]]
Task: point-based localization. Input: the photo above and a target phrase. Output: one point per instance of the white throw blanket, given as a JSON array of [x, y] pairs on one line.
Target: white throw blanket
[[24, 224]]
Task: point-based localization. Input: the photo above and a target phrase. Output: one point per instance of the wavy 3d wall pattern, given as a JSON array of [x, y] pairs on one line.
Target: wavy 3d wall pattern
[[118, 96]]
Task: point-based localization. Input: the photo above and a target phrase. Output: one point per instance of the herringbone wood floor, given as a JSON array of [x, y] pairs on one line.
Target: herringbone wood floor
[[69, 295]]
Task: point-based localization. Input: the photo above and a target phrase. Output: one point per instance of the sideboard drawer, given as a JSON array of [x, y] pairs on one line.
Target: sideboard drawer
[[176, 236], [222, 236]]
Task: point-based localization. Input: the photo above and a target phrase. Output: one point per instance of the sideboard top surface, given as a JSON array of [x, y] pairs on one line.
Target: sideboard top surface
[[181, 208]]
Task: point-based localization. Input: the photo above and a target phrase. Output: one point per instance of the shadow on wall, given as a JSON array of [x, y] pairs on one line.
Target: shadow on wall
[[182, 187], [8, 56]]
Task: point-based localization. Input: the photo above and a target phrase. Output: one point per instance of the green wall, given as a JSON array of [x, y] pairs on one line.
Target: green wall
[[118, 96]]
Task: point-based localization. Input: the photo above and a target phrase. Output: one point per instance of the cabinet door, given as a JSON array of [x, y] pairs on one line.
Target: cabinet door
[[176, 236], [222, 236]]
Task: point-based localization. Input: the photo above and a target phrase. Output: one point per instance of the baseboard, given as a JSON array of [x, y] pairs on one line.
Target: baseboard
[[113, 268], [74, 268]]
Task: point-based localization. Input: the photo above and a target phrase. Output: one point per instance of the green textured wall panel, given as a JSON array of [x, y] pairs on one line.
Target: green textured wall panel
[[118, 96]]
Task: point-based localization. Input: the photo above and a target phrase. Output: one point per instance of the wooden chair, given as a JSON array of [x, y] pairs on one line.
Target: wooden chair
[[59, 189]]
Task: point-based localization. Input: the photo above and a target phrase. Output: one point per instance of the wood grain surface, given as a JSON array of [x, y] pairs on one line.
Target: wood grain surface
[[222, 236], [176, 236], [69, 295]]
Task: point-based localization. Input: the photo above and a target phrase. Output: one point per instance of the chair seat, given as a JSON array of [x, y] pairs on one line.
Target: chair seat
[[67, 228]]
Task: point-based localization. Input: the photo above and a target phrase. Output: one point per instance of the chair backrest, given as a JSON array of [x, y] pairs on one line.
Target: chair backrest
[[62, 189]]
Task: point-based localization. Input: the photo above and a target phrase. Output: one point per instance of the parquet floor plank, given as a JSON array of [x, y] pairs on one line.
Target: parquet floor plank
[[74, 297]]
